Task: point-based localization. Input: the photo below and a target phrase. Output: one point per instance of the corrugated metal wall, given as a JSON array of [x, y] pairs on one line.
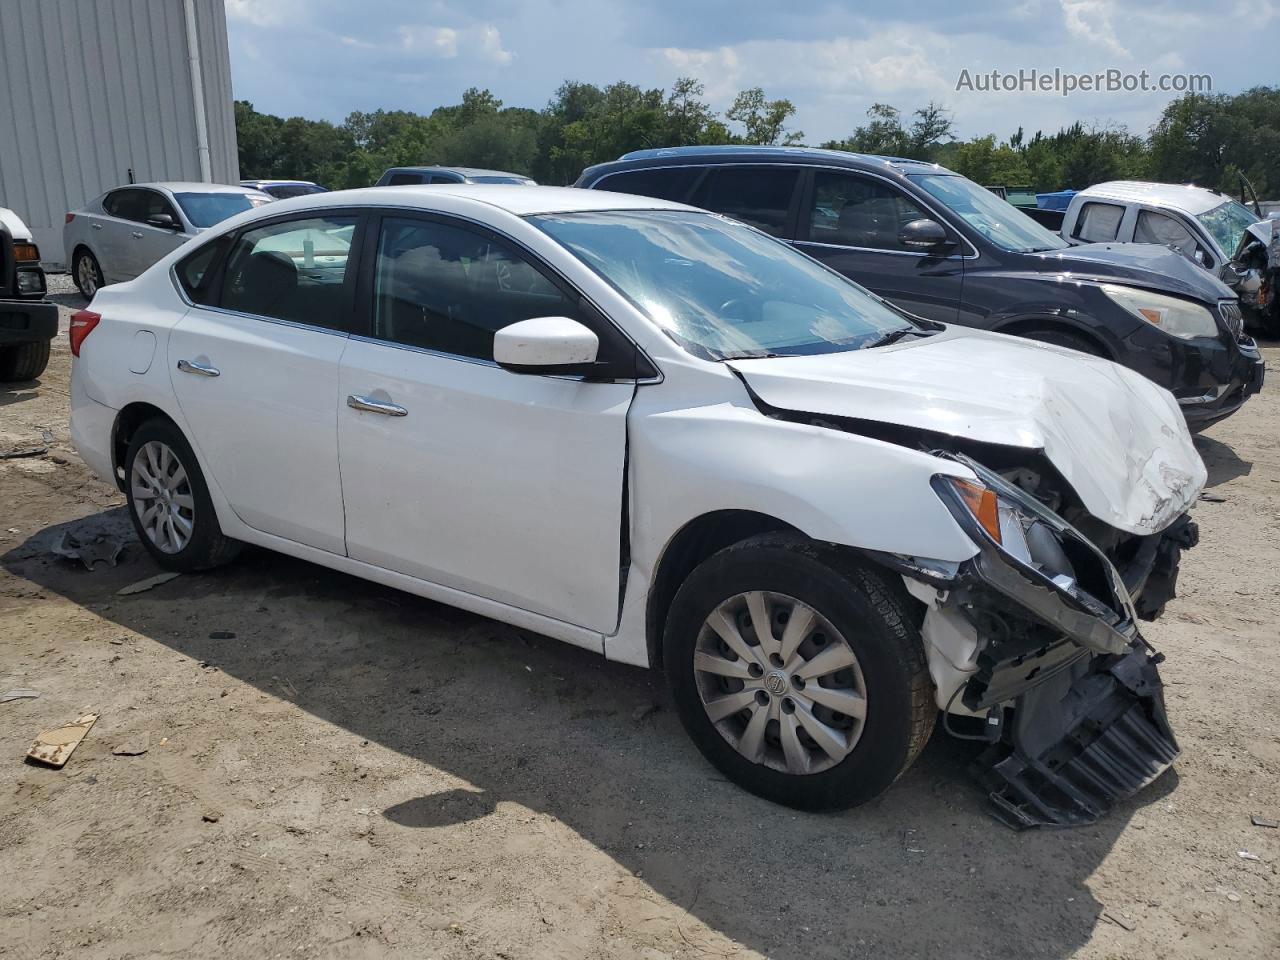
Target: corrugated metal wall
[[91, 89]]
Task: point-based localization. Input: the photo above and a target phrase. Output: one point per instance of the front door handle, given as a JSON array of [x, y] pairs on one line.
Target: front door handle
[[199, 369], [376, 406], [136, 234]]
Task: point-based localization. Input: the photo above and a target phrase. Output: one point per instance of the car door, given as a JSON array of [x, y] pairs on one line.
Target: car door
[[503, 485], [852, 221], [151, 243], [110, 233], [254, 365]]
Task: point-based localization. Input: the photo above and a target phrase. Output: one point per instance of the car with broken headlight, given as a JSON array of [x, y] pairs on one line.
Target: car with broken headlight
[[671, 439]]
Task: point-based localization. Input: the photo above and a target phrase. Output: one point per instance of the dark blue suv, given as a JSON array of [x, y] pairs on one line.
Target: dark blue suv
[[941, 247]]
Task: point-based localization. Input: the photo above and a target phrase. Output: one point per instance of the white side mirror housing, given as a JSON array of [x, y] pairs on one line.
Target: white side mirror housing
[[545, 345]]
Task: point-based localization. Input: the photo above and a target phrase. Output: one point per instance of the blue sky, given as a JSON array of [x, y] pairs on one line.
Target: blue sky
[[325, 58]]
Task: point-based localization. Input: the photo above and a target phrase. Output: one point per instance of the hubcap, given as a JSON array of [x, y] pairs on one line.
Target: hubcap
[[88, 276], [162, 497], [780, 683]]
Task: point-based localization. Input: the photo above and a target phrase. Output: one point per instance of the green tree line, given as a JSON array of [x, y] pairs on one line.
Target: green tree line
[[1204, 139]]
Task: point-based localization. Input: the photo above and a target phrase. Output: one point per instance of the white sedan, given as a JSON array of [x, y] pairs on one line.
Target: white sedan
[[664, 436]]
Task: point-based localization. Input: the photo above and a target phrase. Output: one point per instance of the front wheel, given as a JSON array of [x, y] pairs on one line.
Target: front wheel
[[169, 501], [799, 672]]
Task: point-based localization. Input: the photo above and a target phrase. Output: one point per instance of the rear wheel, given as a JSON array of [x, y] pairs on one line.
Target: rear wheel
[[87, 273], [23, 361], [798, 672], [169, 501]]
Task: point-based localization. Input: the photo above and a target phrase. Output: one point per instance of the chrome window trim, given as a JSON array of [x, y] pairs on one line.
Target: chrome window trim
[[927, 204]]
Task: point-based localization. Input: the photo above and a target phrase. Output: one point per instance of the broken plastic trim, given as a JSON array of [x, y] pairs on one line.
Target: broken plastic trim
[[1081, 742]]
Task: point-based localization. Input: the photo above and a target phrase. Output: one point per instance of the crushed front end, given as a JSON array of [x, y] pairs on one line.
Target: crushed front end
[[1037, 636]]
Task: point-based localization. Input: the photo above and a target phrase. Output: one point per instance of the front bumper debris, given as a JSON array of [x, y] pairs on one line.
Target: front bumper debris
[[1081, 742]]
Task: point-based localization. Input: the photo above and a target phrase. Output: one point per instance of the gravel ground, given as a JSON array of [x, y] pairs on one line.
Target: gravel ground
[[335, 769]]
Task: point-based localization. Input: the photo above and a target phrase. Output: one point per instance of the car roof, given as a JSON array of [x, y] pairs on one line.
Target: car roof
[[180, 186], [465, 171], [513, 198], [1185, 197], [798, 155], [280, 183]]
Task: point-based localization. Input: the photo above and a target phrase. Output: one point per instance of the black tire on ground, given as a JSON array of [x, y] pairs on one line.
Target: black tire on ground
[[871, 611], [84, 260], [23, 361], [1064, 338], [207, 547]]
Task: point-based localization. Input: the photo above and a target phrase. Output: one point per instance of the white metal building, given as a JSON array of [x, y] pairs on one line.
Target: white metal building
[[94, 93]]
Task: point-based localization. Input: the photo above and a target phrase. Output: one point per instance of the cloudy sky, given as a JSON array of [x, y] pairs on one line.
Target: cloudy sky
[[325, 58]]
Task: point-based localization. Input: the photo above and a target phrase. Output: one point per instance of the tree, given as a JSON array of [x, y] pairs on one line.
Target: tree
[[764, 120]]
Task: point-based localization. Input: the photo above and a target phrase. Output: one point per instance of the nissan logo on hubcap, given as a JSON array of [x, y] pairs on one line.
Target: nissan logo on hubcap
[[776, 683]]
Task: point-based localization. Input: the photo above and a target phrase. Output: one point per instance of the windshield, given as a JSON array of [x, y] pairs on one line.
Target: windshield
[[723, 290], [206, 209], [1227, 224], [998, 220]]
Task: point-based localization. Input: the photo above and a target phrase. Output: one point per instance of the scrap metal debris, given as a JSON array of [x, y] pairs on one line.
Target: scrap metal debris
[[53, 747], [18, 693], [1246, 855], [23, 452], [147, 584], [1120, 920], [100, 548], [1258, 821]]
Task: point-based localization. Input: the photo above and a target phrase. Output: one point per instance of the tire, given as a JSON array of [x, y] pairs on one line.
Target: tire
[[1064, 338], [23, 361], [190, 538], [840, 606], [87, 274]]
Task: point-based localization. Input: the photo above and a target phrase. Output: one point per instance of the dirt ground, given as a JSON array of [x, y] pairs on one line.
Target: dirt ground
[[335, 769]]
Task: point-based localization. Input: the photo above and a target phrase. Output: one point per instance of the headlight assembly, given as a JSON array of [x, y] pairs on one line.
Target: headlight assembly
[[1178, 318]]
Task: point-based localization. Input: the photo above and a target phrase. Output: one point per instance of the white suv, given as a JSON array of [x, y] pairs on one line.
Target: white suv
[[669, 438]]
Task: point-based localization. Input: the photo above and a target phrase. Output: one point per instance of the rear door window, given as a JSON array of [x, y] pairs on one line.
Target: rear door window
[[293, 270], [404, 179], [125, 204], [761, 196], [662, 183], [197, 272], [853, 211], [1098, 222]]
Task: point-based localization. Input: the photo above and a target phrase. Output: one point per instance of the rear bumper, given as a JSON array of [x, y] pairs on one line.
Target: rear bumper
[[92, 430], [26, 321]]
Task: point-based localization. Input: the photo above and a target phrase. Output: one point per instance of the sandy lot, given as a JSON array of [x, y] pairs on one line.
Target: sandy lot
[[335, 769]]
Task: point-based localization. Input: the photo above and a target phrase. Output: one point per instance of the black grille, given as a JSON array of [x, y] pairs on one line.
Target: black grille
[[1232, 317]]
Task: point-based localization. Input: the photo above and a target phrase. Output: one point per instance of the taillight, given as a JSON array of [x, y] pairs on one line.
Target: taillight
[[82, 324], [70, 217]]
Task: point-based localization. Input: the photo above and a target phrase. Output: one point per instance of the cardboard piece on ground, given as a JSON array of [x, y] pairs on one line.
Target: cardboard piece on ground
[[147, 584], [53, 747]]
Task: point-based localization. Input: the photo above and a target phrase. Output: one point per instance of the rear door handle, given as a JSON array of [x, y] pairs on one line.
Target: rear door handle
[[375, 406], [95, 226], [136, 234], [200, 369]]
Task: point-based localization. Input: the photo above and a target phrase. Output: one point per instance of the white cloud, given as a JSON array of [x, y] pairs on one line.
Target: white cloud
[[262, 13], [1090, 20], [483, 41]]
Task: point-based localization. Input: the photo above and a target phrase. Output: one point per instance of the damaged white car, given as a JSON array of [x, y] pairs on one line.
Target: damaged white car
[[666, 437]]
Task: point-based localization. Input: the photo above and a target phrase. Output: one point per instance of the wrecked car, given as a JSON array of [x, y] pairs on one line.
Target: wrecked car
[[667, 437], [1225, 237]]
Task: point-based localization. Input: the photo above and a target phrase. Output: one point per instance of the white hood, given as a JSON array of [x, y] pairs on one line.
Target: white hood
[[1116, 437], [17, 229]]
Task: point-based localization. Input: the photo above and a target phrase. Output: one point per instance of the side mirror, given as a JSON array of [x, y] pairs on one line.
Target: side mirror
[[546, 345], [924, 235], [164, 221]]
